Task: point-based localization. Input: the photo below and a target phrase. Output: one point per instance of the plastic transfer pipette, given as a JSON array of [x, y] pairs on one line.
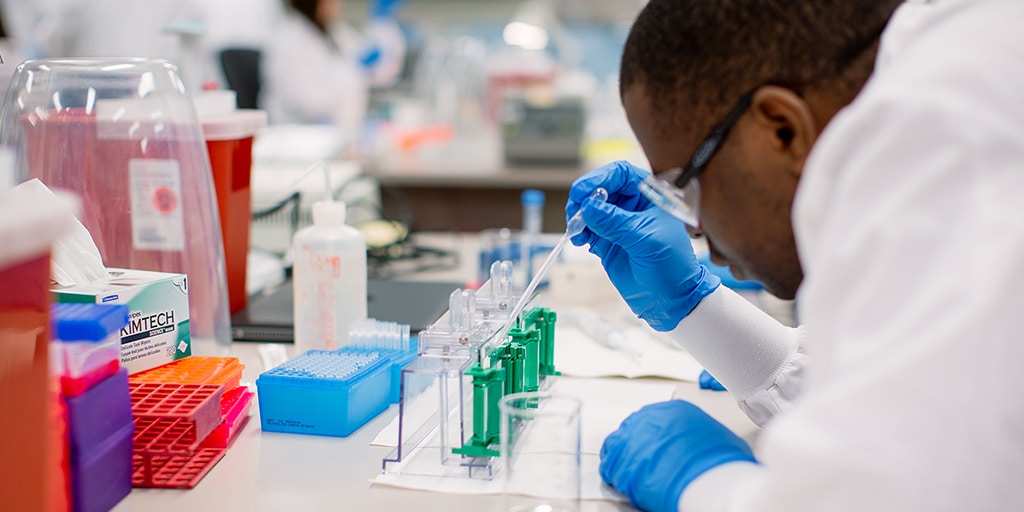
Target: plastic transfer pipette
[[574, 227]]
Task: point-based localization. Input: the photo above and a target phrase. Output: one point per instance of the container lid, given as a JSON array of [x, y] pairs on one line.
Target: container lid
[[329, 213], [233, 125], [325, 369], [215, 102], [87, 322], [532, 196], [29, 227]]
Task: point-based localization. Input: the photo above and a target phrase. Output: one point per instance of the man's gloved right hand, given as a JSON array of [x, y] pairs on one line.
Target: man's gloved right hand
[[645, 250], [659, 450]]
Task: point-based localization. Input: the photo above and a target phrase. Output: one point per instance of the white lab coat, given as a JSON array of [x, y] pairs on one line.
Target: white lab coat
[[31, 25], [19, 21], [12, 57], [307, 80], [910, 227], [117, 28], [223, 30]]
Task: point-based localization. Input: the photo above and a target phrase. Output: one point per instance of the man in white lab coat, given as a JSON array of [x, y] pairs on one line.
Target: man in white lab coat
[[867, 158]]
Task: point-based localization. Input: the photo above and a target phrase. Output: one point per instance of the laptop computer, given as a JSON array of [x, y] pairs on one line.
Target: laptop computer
[[269, 317]]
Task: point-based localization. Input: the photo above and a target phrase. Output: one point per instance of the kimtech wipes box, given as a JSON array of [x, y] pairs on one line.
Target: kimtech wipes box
[[158, 327]]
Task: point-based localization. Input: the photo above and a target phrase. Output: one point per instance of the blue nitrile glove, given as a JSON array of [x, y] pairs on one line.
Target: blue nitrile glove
[[645, 250], [708, 381], [660, 449], [384, 8], [726, 276], [370, 56]]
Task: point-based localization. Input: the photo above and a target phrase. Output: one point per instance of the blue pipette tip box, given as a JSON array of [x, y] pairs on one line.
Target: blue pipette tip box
[[400, 358], [328, 393]]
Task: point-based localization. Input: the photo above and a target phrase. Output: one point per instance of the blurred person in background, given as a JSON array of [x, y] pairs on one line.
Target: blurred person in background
[[223, 31], [27, 29], [9, 51], [317, 69], [118, 28]]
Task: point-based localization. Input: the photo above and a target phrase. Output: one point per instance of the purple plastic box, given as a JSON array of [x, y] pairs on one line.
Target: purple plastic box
[[99, 413], [102, 477]]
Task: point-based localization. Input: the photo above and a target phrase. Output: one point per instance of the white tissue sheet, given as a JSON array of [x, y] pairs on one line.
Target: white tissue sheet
[[591, 486], [75, 258], [646, 353], [606, 402]]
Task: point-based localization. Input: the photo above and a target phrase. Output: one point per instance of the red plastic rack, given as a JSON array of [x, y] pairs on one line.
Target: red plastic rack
[[164, 436], [75, 386], [234, 406], [166, 454], [198, 404], [174, 471]]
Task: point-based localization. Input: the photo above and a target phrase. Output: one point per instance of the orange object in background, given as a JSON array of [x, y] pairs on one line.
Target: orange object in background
[[226, 371], [29, 468], [60, 482], [26, 435], [411, 140], [229, 139]]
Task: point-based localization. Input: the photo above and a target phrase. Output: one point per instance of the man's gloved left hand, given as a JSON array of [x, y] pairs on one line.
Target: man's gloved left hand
[[660, 449]]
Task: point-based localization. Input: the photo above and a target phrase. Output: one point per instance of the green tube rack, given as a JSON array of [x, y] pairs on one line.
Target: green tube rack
[[519, 364]]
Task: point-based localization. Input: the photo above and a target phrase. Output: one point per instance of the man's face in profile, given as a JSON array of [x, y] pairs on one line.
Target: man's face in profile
[[745, 197]]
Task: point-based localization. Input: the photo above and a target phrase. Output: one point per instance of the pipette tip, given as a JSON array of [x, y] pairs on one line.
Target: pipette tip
[[576, 225]]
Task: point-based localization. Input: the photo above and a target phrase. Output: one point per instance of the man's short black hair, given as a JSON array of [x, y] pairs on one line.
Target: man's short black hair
[[701, 55]]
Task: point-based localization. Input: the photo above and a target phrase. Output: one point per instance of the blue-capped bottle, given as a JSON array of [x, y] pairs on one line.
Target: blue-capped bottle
[[533, 220]]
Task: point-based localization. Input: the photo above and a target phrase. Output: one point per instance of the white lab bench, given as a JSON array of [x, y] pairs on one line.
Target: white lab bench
[[266, 471], [288, 472]]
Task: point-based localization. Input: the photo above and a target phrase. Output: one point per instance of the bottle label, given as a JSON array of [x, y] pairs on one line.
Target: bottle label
[[323, 266], [326, 269], [157, 220], [330, 293]]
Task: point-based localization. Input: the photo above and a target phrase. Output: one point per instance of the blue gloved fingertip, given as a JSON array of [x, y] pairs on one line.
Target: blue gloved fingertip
[[726, 277], [370, 57], [584, 238], [708, 381], [592, 204]]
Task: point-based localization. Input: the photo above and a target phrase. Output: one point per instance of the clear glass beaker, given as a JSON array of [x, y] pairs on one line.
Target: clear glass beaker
[[122, 133], [540, 451]]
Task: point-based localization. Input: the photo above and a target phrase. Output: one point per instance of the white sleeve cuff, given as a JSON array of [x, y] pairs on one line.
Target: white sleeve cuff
[[740, 345], [713, 491]]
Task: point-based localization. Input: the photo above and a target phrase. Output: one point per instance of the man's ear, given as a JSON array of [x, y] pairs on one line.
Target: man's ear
[[789, 119]]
